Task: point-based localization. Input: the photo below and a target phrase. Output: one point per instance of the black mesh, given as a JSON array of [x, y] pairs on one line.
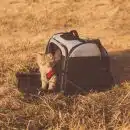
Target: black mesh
[[69, 36], [88, 73]]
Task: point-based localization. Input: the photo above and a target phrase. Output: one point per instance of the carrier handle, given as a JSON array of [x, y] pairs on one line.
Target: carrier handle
[[75, 33]]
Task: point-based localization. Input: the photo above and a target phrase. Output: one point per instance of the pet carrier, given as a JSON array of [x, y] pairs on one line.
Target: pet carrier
[[82, 64]]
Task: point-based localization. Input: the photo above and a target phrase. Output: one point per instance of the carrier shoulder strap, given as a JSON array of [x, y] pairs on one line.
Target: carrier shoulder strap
[[74, 33]]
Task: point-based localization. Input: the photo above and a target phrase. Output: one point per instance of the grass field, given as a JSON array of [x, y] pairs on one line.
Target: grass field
[[26, 26]]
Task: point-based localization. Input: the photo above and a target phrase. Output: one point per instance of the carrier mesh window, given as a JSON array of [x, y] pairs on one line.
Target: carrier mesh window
[[86, 50]]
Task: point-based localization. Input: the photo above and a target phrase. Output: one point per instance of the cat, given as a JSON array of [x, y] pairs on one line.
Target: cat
[[46, 63]]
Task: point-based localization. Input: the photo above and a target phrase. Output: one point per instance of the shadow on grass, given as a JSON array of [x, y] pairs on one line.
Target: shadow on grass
[[120, 66]]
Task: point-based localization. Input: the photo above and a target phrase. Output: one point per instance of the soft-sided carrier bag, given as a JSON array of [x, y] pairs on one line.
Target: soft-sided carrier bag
[[84, 64]]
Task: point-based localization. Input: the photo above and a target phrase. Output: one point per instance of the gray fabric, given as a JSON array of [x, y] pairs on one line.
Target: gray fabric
[[86, 50], [59, 45], [68, 43]]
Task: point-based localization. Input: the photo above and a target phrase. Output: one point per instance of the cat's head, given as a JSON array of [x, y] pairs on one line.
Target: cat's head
[[47, 59]]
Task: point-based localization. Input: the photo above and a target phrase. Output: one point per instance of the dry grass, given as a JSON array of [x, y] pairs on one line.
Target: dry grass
[[94, 111], [25, 27]]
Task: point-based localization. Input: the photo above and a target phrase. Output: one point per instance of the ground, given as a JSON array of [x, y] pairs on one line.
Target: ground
[[26, 26]]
